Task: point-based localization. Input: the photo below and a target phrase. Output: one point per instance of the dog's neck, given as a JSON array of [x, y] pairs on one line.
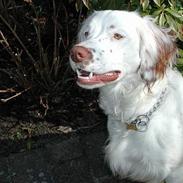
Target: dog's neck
[[126, 100]]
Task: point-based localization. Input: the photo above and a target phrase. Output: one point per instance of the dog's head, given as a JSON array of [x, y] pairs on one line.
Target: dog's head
[[114, 44]]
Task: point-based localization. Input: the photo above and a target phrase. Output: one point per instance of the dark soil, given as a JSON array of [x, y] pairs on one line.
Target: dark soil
[[24, 121]]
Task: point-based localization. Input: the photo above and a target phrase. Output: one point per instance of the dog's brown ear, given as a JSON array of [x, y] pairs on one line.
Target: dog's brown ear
[[157, 50], [166, 52]]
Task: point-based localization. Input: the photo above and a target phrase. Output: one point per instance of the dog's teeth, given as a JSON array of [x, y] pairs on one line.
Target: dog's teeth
[[109, 74], [78, 73], [91, 75]]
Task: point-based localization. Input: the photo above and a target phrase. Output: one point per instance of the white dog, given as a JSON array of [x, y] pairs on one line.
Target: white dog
[[130, 60]]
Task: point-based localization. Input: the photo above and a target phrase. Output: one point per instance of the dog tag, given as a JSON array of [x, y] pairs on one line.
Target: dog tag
[[131, 126], [139, 124]]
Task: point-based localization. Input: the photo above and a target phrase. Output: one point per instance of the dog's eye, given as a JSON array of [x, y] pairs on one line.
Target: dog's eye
[[117, 36], [86, 34]]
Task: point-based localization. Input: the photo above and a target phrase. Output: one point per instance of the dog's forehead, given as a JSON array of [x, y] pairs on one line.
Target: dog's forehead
[[113, 19]]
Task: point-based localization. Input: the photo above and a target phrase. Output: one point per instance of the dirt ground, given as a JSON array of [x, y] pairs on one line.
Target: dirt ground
[[66, 146]]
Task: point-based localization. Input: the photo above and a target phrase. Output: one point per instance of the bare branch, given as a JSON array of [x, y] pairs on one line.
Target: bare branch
[[14, 96]]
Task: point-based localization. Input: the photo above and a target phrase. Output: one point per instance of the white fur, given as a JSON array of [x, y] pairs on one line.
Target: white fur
[[156, 154]]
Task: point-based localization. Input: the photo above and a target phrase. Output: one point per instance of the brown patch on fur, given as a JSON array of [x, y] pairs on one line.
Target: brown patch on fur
[[165, 56]]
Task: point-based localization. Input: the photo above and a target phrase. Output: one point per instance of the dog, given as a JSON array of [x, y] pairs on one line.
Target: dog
[[131, 60]]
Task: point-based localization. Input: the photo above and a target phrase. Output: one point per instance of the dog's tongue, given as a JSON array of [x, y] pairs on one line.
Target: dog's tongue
[[98, 78]]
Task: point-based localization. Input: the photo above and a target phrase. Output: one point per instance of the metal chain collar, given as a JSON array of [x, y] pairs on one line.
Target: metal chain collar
[[141, 122]]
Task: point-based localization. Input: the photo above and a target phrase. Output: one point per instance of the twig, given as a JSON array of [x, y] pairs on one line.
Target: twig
[[67, 129], [18, 39], [4, 39], [87, 127], [14, 96], [6, 45], [44, 104], [16, 7], [8, 90]]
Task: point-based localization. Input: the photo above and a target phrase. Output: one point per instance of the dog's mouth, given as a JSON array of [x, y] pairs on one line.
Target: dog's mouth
[[91, 78]]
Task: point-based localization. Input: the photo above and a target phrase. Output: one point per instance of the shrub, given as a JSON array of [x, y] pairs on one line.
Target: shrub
[[34, 41]]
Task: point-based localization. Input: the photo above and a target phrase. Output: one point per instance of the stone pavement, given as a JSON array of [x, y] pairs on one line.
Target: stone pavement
[[78, 159]]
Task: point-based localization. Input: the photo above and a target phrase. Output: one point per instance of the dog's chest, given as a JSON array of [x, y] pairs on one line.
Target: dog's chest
[[142, 154], [136, 156]]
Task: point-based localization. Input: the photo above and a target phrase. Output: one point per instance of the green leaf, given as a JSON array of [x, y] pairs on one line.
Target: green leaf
[[171, 22], [180, 62], [156, 19], [180, 31], [79, 4], [175, 26], [175, 14], [172, 3], [145, 4], [86, 3], [157, 12], [162, 19], [158, 2], [181, 53]]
